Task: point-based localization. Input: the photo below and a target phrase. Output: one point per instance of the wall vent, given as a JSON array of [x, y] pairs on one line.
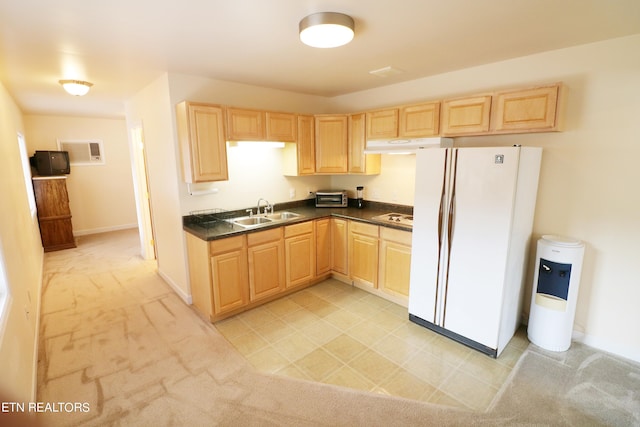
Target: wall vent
[[85, 152]]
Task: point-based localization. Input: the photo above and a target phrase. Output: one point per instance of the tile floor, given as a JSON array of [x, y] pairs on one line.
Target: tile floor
[[338, 334]]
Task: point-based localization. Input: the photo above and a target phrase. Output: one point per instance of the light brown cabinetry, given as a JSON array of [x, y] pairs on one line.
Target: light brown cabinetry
[[299, 158], [395, 263], [528, 110], [420, 120], [54, 215], [202, 143], [363, 253], [331, 144], [229, 278], [266, 263], [382, 124], [244, 124], [517, 111], [256, 125], [323, 246], [466, 116], [300, 253], [280, 127], [358, 161], [339, 245]]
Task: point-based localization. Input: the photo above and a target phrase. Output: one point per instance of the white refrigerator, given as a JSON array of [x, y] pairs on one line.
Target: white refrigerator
[[472, 221]]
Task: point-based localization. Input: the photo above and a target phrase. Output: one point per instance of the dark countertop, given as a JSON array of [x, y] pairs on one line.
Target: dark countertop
[[206, 227]]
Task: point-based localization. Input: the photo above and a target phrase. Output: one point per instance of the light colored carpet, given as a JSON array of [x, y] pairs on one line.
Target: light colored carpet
[[114, 335]]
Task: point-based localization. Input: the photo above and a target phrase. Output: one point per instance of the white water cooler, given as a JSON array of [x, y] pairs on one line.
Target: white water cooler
[[555, 292]]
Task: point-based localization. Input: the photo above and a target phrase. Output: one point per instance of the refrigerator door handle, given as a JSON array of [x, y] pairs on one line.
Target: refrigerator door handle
[[443, 196], [450, 221]]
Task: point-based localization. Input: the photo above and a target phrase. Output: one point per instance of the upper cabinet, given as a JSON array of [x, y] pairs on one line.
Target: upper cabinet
[[256, 125], [529, 110], [382, 124], [466, 116], [202, 143], [300, 158], [331, 144], [516, 111], [280, 127], [419, 120], [358, 161], [245, 125]]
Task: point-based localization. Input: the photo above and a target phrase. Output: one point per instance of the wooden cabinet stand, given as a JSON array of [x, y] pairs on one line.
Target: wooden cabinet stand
[[54, 215]]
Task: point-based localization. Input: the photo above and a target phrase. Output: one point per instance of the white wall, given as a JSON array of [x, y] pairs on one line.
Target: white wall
[[589, 176], [100, 196], [151, 108], [21, 248], [252, 173]]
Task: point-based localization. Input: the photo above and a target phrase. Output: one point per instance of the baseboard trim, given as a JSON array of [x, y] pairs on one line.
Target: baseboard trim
[[104, 229], [181, 293]]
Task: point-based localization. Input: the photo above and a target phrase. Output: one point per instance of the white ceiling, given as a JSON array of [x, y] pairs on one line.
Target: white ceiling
[[122, 45]]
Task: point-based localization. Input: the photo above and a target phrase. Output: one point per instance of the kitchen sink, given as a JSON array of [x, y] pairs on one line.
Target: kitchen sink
[[253, 220], [283, 215], [258, 220]]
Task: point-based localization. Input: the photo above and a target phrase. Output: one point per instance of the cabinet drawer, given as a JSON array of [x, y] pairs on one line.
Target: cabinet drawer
[[226, 245], [362, 228], [261, 237], [393, 235], [297, 229]]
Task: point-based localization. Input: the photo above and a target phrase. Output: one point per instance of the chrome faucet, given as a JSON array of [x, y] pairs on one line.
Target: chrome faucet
[[268, 208]]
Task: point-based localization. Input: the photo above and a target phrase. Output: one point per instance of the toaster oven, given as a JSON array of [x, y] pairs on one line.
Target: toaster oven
[[331, 199]]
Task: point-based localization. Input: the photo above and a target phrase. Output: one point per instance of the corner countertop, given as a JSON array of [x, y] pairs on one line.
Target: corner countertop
[[206, 229]]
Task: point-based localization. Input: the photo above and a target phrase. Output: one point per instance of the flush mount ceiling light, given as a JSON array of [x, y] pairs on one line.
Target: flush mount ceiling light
[[76, 87], [326, 29]]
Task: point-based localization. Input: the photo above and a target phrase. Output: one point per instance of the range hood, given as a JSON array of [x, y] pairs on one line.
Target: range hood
[[405, 146]]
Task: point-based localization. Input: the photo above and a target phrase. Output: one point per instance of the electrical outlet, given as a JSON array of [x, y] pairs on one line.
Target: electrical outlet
[[292, 193]]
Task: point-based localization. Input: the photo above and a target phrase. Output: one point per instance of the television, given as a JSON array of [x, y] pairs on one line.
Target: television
[[49, 163]]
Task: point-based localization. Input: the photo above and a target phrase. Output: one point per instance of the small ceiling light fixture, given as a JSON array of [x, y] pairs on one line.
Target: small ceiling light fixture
[[326, 29], [76, 87]]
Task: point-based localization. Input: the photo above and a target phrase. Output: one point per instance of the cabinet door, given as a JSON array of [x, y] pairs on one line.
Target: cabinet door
[[202, 143], [395, 262], [358, 161], [382, 124], [323, 246], [363, 253], [266, 263], [229, 276], [300, 253], [527, 110], [331, 144], [54, 215], [281, 127], [467, 116], [245, 125], [52, 199], [306, 146], [419, 120], [339, 239]]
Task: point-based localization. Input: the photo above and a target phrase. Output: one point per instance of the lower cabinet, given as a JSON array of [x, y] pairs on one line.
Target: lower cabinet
[[266, 263], [233, 274], [323, 246], [229, 274], [363, 253], [395, 263], [300, 253], [339, 243]]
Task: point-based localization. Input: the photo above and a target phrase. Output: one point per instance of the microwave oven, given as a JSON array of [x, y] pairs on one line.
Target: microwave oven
[[331, 199]]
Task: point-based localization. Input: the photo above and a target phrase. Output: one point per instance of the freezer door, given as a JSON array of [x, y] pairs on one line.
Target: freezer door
[[426, 255], [483, 201]]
